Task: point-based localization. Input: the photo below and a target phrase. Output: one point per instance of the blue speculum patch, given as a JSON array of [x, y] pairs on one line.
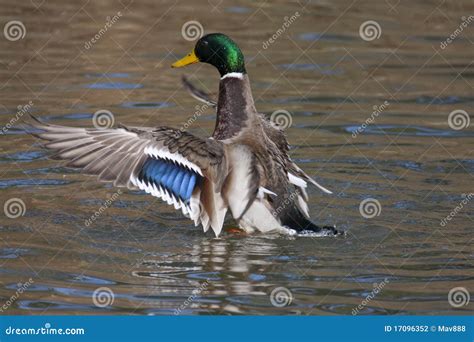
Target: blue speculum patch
[[175, 178]]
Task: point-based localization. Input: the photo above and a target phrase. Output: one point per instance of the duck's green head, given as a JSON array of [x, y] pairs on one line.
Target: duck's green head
[[218, 50]]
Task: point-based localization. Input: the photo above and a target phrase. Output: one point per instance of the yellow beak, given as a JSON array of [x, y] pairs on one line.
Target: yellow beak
[[190, 58]]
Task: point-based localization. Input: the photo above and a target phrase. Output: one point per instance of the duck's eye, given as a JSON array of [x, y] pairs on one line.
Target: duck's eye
[[203, 45]]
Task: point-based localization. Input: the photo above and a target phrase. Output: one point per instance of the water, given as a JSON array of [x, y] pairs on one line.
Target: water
[[321, 71]]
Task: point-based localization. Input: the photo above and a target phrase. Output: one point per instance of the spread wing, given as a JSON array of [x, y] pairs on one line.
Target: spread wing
[[183, 170]]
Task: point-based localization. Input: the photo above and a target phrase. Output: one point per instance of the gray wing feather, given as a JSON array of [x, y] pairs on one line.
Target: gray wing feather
[[117, 154], [197, 93]]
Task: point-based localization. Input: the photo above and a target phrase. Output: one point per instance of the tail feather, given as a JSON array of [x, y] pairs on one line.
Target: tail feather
[[296, 220]]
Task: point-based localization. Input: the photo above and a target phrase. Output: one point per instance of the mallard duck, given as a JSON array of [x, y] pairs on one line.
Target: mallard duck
[[243, 168]]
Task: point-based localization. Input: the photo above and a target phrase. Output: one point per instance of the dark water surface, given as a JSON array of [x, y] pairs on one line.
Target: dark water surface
[[319, 69]]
